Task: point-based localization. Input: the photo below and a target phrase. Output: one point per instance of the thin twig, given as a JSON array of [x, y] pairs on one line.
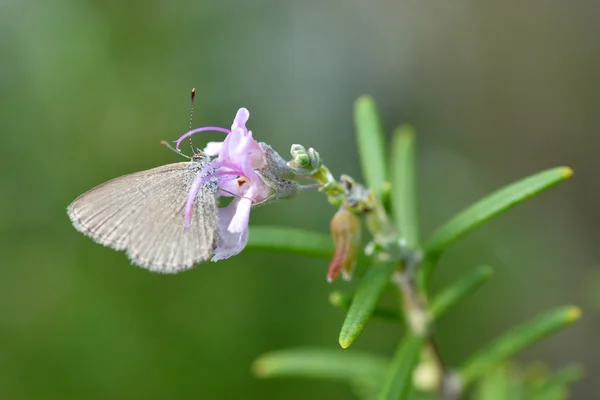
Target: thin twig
[[419, 322]]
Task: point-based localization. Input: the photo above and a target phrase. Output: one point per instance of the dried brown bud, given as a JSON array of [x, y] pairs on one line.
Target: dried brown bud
[[345, 230]]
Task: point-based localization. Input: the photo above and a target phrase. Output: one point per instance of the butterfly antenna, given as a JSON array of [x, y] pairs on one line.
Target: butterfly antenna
[[194, 150], [193, 96]]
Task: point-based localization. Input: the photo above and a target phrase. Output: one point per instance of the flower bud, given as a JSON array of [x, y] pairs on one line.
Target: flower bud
[[304, 162], [297, 150], [345, 230], [427, 377], [300, 158], [314, 158]]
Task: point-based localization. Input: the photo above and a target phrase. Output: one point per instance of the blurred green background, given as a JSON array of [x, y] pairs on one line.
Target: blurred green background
[[496, 91]]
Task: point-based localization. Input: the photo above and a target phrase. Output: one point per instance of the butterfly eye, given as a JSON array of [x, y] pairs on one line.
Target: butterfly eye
[[199, 156]]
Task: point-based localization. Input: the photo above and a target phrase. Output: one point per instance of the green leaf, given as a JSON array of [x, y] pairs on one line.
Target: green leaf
[[517, 340], [364, 302], [398, 379], [459, 290], [290, 240], [556, 384], [552, 393], [371, 143], [334, 364], [403, 179], [342, 300], [506, 382], [484, 210]]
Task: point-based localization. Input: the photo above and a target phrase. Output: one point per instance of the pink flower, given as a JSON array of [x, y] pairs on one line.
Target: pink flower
[[239, 157]]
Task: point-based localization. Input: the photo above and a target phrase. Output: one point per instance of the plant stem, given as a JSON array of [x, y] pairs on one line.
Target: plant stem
[[388, 245], [420, 323]]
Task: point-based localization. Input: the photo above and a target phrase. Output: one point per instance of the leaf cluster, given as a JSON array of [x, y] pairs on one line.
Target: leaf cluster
[[393, 179]]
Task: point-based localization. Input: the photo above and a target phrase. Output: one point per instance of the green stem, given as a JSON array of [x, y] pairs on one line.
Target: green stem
[[419, 321]]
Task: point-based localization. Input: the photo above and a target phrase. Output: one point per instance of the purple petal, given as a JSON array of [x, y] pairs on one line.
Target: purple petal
[[213, 148], [248, 171], [241, 117], [199, 180], [229, 149], [233, 244], [239, 222], [241, 150], [230, 243], [220, 164], [229, 187]]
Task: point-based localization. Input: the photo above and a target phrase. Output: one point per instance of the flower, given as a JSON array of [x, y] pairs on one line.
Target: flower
[[345, 230], [239, 157]]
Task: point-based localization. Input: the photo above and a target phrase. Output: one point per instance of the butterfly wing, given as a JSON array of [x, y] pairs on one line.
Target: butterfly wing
[[163, 243], [143, 213]]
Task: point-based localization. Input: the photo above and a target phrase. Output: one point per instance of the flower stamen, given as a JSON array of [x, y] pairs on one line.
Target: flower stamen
[[204, 129]]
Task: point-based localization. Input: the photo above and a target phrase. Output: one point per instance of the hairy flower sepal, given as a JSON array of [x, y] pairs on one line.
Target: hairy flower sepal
[[345, 230], [277, 175], [250, 172]]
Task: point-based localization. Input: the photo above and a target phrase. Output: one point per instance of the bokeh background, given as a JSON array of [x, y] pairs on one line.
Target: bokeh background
[[496, 91]]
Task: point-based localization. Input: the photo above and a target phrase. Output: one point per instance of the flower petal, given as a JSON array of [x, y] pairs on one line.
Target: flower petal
[[239, 222], [213, 148], [232, 245], [230, 144], [240, 150], [241, 117], [199, 180], [222, 171], [230, 187], [229, 243]]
